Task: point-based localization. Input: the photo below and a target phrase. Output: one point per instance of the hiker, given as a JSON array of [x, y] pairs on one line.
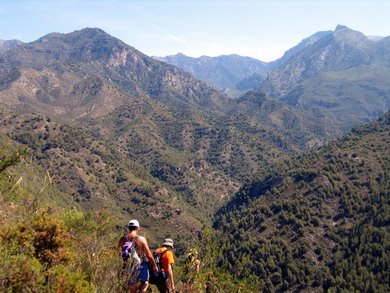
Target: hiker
[[165, 255], [191, 269], [136, 253]]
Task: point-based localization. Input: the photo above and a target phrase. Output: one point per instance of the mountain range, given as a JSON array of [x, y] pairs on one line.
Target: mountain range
[[325, 85], [341, 79], [118, 132], [156, 114], [230, 74], [122, 131]]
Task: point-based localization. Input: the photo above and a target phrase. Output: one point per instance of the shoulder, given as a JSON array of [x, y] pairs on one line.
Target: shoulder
[[168, 255], [140, 238]]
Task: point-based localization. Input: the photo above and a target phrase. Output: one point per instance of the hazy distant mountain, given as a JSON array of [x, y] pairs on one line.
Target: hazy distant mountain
[[343, 77], [249, 82], [375, 38], [298, 48], [7, 44], [222, 72], [341, 49]]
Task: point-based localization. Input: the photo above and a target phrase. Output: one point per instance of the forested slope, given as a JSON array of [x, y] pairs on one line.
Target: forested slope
[[320, 221]]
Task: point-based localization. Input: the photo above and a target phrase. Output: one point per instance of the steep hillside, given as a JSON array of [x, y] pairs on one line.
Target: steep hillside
[[318, 222], [290, 53], [337, 81], [49, 243], [86, 67], [249, 82], [341, 49], [166, 156], [346, 97], [95, 175], [304, 128], [223, 72]]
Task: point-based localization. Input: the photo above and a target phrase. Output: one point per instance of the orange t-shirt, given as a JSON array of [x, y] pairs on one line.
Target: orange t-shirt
[[167, 258]]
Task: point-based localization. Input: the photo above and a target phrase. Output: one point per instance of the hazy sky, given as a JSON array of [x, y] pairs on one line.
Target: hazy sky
[[260, 29]]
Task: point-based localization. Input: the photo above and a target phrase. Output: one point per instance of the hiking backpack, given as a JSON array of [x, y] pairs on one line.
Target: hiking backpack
[[128, 250], [161, 276]]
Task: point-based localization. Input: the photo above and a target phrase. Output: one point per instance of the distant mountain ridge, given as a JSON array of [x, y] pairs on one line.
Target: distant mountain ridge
[[90, 51], [341, 49], [302, 83], [223, 72], [8, 44], [298, 48], [375, 38], [341, 78]]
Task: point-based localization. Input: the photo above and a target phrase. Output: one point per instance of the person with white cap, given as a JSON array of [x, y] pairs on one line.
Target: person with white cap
[[139, 276], [166, 260]]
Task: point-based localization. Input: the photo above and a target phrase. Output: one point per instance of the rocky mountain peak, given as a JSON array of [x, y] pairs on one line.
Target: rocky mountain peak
[[85, 45], [346, 35], [298, 48], [341, 27], [341, 49]]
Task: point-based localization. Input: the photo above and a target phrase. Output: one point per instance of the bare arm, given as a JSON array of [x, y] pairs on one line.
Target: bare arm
[[145, 249], [197, 265], [170, 277]]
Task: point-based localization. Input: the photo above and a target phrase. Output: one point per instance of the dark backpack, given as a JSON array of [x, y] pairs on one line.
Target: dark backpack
[[159, 277]]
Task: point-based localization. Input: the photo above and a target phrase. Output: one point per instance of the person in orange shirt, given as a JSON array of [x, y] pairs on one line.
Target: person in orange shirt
[[167, 260]]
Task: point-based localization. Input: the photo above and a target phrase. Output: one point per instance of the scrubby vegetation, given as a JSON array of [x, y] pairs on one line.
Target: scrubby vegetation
[[49, 243], [318, 222]]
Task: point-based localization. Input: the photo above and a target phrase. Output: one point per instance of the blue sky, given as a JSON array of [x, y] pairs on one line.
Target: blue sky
[[260, 29]]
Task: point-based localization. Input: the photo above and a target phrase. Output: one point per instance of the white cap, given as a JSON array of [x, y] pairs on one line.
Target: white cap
[[133, 223]]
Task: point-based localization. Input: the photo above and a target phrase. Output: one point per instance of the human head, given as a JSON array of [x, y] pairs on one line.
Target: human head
[[168, 243], [193, 254], [133, 225]]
